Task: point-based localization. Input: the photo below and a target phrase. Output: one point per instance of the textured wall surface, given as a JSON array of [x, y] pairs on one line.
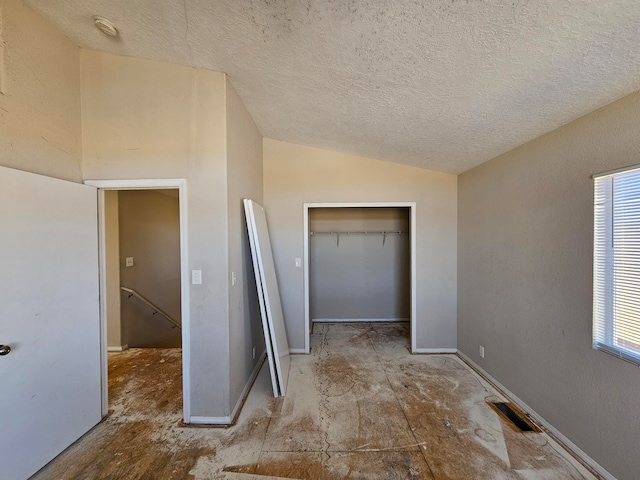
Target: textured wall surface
[[244, 180], [144, 119], [295, 174], [39, 96], [442, 84], [149, 231], [525, 236], [112, 270]]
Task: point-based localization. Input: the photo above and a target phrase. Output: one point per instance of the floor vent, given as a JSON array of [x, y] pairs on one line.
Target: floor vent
[[514, 416]]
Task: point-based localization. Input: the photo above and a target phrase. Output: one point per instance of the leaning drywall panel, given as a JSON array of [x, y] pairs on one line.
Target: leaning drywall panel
[[270, 292], [263, 314]]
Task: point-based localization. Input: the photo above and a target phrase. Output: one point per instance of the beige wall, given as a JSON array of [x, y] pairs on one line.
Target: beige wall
[[150, 234], [295, 174], [525, 282], [40, 99], [112, 273], [144, 119], [244, 177]]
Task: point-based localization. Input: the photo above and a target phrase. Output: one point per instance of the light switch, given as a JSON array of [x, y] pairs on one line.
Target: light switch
[[196, 277], [233, 278], [128, 262], [298, 262]]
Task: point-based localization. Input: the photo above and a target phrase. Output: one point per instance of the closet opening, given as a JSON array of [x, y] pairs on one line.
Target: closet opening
[[359, 264]]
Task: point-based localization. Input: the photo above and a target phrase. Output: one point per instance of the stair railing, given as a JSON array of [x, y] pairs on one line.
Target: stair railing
[[143, 299]]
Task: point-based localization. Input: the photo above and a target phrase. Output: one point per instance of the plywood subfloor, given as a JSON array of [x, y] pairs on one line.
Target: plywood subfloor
[[359, 407]]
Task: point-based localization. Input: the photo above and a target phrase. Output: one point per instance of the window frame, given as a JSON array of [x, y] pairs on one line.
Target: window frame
[[610, 286]]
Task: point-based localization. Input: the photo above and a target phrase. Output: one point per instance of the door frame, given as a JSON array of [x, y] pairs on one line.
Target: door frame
[[146, 184], [413, 254]]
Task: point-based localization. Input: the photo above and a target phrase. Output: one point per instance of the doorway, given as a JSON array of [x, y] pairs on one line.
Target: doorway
[[141, 304], [359, 263], [148, 257]]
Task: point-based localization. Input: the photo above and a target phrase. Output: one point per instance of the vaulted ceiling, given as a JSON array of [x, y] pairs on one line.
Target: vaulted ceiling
[[438, 84]]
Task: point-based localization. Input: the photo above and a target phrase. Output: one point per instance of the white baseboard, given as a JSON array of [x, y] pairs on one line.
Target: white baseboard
[[554, 432], [118, 348], [435, 350], [247, 387], [217, 421], [229, 419], [358, 320], [298, 351]]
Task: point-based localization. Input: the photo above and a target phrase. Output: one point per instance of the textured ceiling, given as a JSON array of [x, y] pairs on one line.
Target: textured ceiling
[[440, 84]]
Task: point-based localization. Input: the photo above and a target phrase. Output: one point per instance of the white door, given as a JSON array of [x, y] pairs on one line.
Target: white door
[[49, 317], [261, 248]]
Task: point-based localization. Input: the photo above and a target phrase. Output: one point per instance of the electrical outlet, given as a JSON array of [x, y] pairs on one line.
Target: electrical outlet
[[481, 351], [128, 262], [233, 278]]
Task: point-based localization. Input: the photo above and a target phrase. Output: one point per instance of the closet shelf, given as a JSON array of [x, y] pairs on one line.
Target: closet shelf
[[363, 232], [336, 234]]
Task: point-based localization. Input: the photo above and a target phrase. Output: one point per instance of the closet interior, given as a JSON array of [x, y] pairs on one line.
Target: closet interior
[[359, 264]]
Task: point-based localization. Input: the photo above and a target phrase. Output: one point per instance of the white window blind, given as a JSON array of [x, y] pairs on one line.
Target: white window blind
[[616, 278]]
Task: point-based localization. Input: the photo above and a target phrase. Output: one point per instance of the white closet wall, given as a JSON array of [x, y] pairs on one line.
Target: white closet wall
[[358, 275]]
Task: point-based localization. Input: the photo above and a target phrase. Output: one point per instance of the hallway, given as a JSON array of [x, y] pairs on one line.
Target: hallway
[[359, 407]]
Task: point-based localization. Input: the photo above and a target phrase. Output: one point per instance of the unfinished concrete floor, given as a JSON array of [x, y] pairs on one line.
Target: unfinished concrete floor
[[359, 407]]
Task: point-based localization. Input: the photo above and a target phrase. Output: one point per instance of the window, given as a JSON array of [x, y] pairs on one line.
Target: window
[[616, 273]]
